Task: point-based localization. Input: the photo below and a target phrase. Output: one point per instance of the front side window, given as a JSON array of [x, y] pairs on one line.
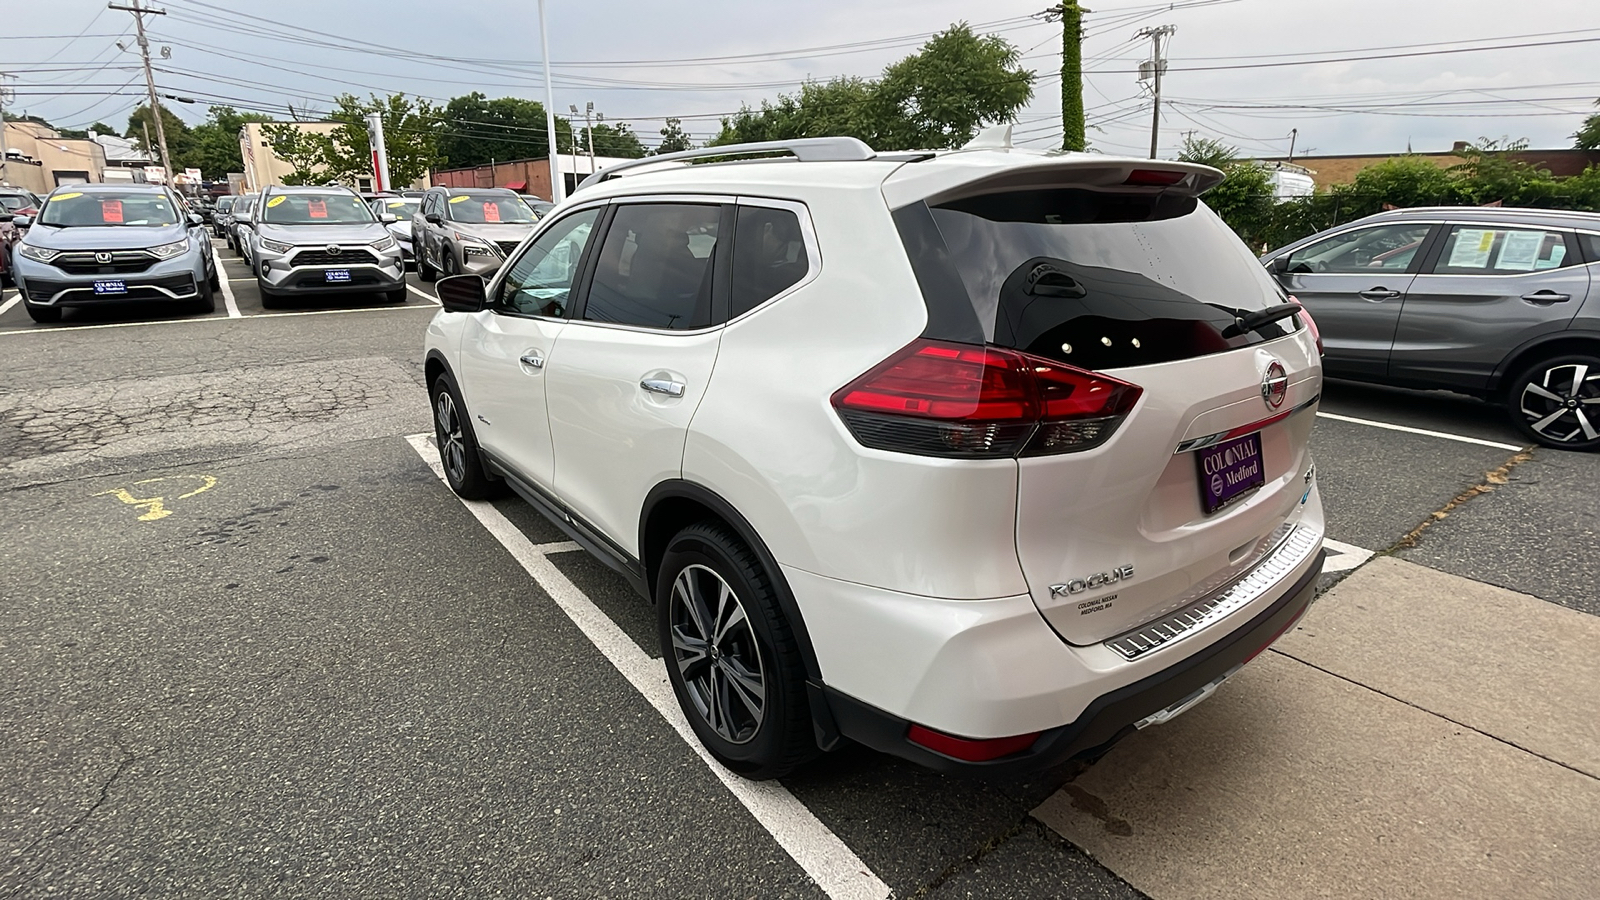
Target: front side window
[[1488, 250], [489, 210], [332, 208], [769, 256], [539, 282], [655, 267], [1388, 248], [100, 208]]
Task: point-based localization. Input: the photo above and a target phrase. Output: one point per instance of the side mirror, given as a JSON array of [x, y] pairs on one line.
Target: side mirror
[[388, 218], [1280, 265], [434, 218], [462, 293], [22, 221], [196, 219]]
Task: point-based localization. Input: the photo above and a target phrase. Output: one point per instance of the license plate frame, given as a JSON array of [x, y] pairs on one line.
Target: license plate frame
[[1229, 471], [110, 287], [336, 276]]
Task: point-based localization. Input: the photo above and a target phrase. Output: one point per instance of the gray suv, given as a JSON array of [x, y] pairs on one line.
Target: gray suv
[[99, 244], [313, 240], [467, 231], [1495, 303]]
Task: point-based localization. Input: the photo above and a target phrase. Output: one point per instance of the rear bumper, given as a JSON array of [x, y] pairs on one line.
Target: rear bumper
[[1108, 718]]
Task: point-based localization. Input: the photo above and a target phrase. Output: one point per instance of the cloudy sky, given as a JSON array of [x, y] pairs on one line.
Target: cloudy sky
[[1239, 70]]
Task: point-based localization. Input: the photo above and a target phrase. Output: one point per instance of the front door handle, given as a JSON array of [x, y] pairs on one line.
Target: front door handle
[[1545, 298], [533, 359], [1378, 294], [663, 386]]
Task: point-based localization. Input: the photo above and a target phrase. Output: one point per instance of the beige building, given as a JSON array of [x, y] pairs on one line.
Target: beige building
[[262, 167], [39, 159]]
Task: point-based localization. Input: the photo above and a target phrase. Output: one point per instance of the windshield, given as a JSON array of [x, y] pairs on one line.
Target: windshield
[[490, 210], [399, 206], [75, 208], [225, 204], [332, 208]]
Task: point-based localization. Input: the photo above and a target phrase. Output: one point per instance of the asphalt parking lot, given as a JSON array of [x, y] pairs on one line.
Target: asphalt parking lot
[[257, 647]]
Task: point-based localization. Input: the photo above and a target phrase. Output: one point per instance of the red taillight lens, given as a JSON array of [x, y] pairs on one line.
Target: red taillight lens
[[941, 399], [1311, 324], [969, 749], [1155, 177]]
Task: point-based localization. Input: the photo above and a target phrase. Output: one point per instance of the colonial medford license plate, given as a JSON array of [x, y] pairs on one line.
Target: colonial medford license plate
[[111, 287], [1229, 470], [336, 275]]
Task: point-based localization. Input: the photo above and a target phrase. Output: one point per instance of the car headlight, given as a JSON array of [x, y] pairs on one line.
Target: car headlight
[[42, 254], [168, 251], [276, 246], [383, 243], [476, 250]]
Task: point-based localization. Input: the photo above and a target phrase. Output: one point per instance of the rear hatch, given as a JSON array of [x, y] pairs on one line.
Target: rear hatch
[[1123, 273]]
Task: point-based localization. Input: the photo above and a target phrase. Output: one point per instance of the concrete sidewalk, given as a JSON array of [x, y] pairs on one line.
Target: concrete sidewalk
[[1418, 735]]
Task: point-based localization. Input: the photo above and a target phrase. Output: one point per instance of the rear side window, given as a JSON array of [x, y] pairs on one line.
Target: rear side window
[[1362, 251], [1488, 250], [655, 267], [769, 256], [1094, 279]]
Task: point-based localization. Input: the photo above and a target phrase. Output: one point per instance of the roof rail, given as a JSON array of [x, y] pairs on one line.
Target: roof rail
[[823, 149]]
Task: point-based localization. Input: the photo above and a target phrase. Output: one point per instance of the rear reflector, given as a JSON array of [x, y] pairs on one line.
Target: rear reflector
[[968, 749], [935, 398], [1155, 177]]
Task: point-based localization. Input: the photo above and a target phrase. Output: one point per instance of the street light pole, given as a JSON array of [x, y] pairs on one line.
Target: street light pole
[[139, 12], [558, 188]]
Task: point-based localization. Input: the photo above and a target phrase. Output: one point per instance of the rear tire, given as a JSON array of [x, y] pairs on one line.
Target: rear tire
[[458, 444], [216, 278], [1556, 402], [731, 655], [43, 314]]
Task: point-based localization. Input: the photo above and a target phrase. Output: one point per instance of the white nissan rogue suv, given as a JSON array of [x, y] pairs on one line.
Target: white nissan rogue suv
[[982, 458]]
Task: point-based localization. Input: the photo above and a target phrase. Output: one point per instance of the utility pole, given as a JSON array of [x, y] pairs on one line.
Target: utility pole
[[588, 126], [139, 12], [1293, 134], [1158, 65], [558, 187], [1072, 124], [3, 96]]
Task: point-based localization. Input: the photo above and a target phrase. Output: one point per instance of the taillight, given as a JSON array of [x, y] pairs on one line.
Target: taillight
[[970, 749], [1311, 324], [1155, 177], [934, 398]]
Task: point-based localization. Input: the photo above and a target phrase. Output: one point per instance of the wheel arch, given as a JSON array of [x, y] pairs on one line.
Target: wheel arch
[[434, 365], [1541, 348]]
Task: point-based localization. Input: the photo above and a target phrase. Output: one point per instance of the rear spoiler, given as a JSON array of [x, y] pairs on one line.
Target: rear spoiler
[[967, 174]]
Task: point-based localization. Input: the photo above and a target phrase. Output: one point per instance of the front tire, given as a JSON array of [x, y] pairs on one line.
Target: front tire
[[731, 656], [1556, 402], [268, 301], [425, 270], [458, 444], [207, 299]]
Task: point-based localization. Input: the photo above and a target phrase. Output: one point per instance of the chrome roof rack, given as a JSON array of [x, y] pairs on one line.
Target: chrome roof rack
[[823, 149]]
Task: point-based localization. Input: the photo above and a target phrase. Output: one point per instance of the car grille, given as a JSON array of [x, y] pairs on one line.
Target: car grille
[[349, 256], [121, 262], [507, 247]]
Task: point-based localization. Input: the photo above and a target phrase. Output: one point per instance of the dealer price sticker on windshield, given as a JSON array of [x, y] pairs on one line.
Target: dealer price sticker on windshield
[[1230, 470]]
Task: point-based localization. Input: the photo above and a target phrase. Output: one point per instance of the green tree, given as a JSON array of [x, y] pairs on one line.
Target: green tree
[[1490, 172], [475, 130], [937, 97], [673, 138], [215, 149], [179, 139], [1244, 198], [1588, 137], [1403, 181], [411, 138], [614, 140]]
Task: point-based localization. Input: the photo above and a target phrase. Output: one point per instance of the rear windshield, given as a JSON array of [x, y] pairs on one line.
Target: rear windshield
[[332, 208], [481, 210], [1095, 279], [103, 208]]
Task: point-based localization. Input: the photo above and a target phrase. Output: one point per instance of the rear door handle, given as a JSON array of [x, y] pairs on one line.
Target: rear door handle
[[1545, 298], [663, 386], [1378, 294]]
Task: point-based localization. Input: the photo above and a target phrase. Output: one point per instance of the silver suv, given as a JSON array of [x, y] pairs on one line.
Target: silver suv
[[468, 231], [1495, 303], [312, 240]]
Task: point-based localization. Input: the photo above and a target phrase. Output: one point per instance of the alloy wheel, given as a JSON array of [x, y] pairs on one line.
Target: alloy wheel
[[452, 446], [1562, 404], [716, 652]]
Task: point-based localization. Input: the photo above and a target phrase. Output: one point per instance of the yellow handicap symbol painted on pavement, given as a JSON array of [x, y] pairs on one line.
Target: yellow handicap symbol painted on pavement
[[155, 507]]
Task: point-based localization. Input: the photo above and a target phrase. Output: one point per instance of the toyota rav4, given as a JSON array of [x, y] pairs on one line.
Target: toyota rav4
[[981, 458]]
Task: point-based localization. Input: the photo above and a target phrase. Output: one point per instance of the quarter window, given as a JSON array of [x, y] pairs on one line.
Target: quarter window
[[1383, 247], [1487, 250], [655, 267], [539, 282], [769, 256]]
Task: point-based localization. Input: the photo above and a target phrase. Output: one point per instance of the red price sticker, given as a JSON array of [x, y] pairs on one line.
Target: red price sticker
[[111, 212], [317, 209], [491, 211]]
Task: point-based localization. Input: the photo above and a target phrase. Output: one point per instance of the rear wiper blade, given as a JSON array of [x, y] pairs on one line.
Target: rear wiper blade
[[1250, 321]]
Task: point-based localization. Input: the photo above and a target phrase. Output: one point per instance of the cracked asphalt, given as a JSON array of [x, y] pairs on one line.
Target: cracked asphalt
[[316, 675]]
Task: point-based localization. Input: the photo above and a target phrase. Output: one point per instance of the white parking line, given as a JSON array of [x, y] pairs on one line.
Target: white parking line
[[1422, 431], [1343, 557], [423, 294], [6, 306], [827, 859], [227, 289]]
